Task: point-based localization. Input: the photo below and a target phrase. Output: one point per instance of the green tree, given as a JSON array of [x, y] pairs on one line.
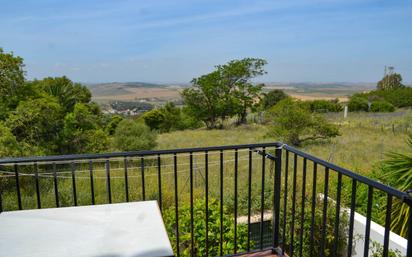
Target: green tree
[[37, 122], [83, 131], [67, 92], [154, 119], [208, 100], [272, 97], [168, 118], [133, 136], [112, 124], [225, 92], [236, 75], [390, 82], [11, 81], [296, 124], [9, 146]]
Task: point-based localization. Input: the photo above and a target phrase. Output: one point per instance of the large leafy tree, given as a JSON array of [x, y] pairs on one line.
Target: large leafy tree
[[37, 122], [207, 99], [11, 81], [67, 92], [225, 92], [390, 82], [83, 132], [48, 116], [236, 75]]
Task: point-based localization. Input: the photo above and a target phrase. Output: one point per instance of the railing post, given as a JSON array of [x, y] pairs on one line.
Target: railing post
[[276, 200], [408, 201]]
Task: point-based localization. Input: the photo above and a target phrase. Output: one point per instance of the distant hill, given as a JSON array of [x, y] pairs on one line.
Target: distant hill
[[152, 92], [119, 88]]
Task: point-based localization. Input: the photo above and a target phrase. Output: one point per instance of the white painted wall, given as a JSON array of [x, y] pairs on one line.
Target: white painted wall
[[376, 234]]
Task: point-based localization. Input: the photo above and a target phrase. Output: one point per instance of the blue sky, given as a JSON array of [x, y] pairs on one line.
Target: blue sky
[[174, 41]]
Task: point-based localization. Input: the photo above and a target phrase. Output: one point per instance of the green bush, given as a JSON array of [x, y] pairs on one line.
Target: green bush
[[111, 126], [199, 217], [317, 228], [382, 106], [296, 124], [169, 118], [272, 98], [377, 251], [133, 136], [154, 119], [324, 106], [399, 97], [357, 104]]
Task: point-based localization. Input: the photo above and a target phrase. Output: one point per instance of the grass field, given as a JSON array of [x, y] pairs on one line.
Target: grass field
[[364, 140]]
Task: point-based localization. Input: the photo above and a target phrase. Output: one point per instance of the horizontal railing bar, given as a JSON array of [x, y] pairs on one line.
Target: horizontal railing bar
[[390, 190], [72, 157]]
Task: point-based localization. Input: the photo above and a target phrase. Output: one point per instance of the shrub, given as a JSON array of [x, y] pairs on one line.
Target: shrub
[[382, 106], [377, 251], [132, 136], [154, 119], [317, 229], [399, 97], [112, 125], [272, 98], [200, 229], [169, 118], [296, 124], [357, 104], [324, 106]]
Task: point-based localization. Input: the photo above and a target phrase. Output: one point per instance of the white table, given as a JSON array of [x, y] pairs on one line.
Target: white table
[[114, 230]]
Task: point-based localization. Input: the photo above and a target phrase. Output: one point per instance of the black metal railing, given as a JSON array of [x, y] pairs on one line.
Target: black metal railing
[[299, 193]]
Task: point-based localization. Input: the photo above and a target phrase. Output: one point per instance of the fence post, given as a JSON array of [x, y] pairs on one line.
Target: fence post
[[276, 201]]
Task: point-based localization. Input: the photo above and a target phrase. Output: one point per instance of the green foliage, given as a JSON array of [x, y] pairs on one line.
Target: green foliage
[[400, 97], [169, 118], [199, 220], [225, 92], [317, 228], [154, 119], [11, 81], [37, 122], [48, 116], [296, 124], [397, 172], [382, 106], [357, 104], [324, 105], [112, 124], [83, 131], [377, 251], [9, 146], [390, 82], [397, 96], [67, 92], [133, 136], [272, 98]]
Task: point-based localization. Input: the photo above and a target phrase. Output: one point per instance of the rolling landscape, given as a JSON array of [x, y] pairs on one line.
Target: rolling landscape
[[104, 93], [206, 128]]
